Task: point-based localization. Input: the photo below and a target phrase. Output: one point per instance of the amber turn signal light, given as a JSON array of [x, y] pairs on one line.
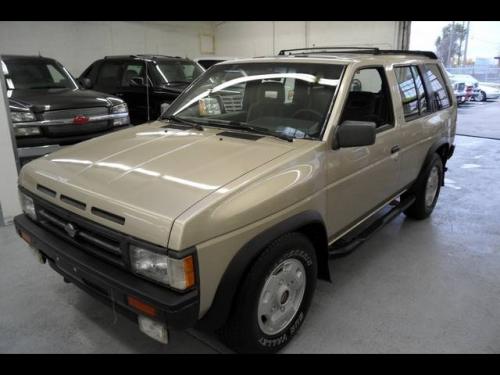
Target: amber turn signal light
[[136, 303]]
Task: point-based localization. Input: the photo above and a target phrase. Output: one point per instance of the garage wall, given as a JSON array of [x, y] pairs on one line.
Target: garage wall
[[257, 38], [77, 44]]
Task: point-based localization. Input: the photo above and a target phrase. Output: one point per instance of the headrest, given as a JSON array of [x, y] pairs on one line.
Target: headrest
[[271, 91]]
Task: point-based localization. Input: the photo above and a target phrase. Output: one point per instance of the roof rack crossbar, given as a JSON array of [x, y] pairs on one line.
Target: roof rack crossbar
[[327, 49], [368, 50]]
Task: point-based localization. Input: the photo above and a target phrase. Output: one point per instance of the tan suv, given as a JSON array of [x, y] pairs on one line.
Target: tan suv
[[222, 214]]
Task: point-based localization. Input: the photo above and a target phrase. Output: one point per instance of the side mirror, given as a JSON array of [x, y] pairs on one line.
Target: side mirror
[[136, 81], [85, 82], [164, 107], [356, 134]]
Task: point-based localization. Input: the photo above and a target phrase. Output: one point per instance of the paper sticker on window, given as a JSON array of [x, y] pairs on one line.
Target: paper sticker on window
[[271, 94]]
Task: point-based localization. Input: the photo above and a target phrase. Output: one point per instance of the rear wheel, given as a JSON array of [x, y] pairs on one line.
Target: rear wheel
[[427, 190], [274, 298]]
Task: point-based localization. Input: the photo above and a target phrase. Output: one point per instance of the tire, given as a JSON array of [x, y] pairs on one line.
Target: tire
[[248, 327], [423, 207], [483, 97]]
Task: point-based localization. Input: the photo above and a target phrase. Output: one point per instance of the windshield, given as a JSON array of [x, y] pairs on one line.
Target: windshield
[[172, 72], [36, 74], [286, 99]]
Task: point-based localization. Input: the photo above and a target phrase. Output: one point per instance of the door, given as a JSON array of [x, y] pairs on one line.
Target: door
[[360, 179], [133, 91], [424, 98], [125, 79]]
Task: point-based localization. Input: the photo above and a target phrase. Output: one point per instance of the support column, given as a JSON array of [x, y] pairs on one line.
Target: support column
[[9, 202]]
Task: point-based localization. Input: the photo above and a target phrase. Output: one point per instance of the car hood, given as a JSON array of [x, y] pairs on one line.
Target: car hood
[[148, 174], [56, 99]]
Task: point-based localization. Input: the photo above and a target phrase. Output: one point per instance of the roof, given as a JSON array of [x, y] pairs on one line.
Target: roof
[[145, 56], [27, 57]]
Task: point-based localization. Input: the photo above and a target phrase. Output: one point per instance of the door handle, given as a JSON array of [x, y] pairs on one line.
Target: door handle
[[395, 149]]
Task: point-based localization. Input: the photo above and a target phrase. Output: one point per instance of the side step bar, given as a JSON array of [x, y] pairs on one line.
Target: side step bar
[[345, 245]]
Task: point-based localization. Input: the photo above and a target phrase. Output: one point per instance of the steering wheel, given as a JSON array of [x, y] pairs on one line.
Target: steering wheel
[[308, 114]]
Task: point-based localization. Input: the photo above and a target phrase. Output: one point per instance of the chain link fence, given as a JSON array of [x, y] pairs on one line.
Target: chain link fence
[[481, 73]]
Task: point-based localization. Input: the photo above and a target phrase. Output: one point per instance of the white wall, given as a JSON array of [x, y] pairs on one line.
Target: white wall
[[258, 38], [9, 202], [77, 44]]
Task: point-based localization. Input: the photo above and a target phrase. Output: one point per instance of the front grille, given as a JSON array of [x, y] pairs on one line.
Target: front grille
[[78, 232], [74, 129], [232, 103]]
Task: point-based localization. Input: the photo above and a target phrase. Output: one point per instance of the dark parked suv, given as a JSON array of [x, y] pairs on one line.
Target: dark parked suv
[[125, 76], [49, 109]]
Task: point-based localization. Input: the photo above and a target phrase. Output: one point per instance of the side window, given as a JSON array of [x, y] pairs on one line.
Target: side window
[[408, 91], [91, 72], [130, 71], [422, 97], [57, 77], [110, 75], [438, 94], [369, 98]]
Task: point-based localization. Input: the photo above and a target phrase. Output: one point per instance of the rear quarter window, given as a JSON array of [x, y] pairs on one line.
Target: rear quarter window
[[438, 91]]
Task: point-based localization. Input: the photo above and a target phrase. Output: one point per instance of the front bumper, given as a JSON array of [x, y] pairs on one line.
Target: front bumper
[[110, 284]]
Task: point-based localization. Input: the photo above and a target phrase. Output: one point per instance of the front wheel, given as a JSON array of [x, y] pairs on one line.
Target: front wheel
[[427, 190], [482, 96], [274, 297]]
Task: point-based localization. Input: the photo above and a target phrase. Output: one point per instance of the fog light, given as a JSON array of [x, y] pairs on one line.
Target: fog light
[[26, 131], [153, 329], [121, 121]]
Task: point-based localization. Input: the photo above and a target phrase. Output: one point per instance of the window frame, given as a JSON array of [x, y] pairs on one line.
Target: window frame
[[429, 89], [409, 118], [385, 85]]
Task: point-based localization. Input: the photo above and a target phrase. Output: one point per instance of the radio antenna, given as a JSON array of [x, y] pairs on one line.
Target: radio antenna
[[147, 86]]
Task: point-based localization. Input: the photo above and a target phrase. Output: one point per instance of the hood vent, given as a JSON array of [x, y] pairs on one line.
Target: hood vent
[[73, 202], [108, 215], [46, 190]]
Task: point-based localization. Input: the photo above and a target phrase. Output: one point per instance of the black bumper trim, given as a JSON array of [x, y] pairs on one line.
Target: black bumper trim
[[108, 283]]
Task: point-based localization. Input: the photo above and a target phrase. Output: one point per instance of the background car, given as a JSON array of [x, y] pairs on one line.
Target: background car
[[145, 82], [488, 91], [50, 110], [471, 83], [460, 90], [207, 61]]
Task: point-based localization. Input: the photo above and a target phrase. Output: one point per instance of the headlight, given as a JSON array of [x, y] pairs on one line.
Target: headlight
[[120, 108], [177, 273], [25, 131], [27, 205], [18, 116]]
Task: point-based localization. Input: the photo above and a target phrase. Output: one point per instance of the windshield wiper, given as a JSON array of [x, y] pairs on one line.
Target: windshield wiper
[[48, 87], [246, 127], [183, 121], [170, 82]]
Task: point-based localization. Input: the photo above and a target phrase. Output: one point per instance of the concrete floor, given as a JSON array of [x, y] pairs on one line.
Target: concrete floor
[[429, 287]]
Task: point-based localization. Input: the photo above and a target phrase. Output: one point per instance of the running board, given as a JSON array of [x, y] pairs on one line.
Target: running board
[[346, 245]]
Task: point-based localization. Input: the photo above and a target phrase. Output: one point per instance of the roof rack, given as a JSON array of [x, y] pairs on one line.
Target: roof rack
[[138, 56], [368, 50], [328, 49]]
